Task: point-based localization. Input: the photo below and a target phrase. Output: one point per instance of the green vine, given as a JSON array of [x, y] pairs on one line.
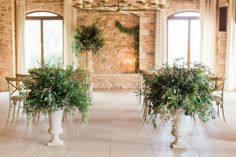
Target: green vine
[[134, 31]]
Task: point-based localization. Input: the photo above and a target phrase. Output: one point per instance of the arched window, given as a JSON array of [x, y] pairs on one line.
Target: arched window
[[43, 38], [184, 37]]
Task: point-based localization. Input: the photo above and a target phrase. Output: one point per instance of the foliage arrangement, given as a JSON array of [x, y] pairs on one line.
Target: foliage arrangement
[[52, 88], [135, 33], [180, 86], [87, 38]]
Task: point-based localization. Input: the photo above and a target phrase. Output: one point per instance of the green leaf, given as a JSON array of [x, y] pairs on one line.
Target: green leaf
[[180, 86]]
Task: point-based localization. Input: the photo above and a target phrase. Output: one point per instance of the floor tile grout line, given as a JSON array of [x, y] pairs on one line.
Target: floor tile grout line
[[25, 149], [73, 139], [110, 144], [193, 146], [155, 145], [149, 140], [27, 145]]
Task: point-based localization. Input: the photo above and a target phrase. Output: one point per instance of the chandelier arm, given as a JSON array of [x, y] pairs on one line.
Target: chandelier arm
[[116, 7]]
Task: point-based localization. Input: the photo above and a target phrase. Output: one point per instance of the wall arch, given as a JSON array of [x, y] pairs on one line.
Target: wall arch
[[44, 7], [182, 7]]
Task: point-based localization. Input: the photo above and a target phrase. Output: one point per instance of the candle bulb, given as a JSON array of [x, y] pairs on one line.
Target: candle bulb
[[154, 2], [88, 1], [122, 5], [79, 1], [162, 2], [103, 1], [140, 1], [123, 1]]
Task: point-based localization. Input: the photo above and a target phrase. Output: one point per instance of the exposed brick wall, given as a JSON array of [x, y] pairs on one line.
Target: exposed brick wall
[[147, 37], [6, 42], [221, 53], [221, 44], [115, 81], [147, 29], [6, 31], [175, 6], [109, 61], [55, 6], [118, 46]]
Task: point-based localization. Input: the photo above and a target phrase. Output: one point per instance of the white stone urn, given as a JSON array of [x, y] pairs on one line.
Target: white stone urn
[[181, 126], [55, 128]]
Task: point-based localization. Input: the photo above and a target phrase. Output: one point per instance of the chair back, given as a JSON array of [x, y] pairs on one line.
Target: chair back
[[22, 75], [147, 74], [218, 94], [15, 85], [219, 83]]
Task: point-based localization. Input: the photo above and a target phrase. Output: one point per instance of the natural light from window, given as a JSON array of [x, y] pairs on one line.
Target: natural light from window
[[184, 37], [43, 39], [53, 43], [33, 43]]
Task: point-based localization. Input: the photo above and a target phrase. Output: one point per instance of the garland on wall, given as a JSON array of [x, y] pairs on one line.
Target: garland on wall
[[134, 31]]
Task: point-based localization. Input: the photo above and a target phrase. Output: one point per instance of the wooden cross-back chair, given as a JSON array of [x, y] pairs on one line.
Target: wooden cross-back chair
[[146, 74], [219, 94], [15, 87], [22, 75]]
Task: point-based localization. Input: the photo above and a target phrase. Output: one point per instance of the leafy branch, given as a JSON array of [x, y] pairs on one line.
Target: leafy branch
[[87, 38], [134, 31]]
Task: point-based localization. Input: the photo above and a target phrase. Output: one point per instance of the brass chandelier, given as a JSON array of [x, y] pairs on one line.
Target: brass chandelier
[[123, 6]]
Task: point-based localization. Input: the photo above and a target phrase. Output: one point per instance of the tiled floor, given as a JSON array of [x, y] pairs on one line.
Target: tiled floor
[[116, 129]]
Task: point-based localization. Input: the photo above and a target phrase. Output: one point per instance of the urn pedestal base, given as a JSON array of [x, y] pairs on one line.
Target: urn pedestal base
[[178, 144], [55, 128], [182, 124], [55, 141]]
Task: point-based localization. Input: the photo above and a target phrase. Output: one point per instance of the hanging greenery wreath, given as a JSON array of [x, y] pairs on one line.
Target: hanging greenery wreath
[[134, 31], [87, 38]]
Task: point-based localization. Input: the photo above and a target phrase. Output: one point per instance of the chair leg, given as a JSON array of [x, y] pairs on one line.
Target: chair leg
[[38, 117], [34, 118], [64, 116], [140, 87], [27, 117], [222, 109], [18, 108], [143, 104], [14, 109], [218, 109], [9, 111], [145, 110], [140, 99]]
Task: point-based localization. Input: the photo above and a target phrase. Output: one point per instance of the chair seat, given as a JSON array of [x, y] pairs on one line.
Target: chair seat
[[17, 98], [16, 95], [217, 92]]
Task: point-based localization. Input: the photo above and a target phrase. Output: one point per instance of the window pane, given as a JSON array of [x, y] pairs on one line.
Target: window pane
[[37, 14], [195, 41], [33, 43], [177, 40], [53, 40]]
